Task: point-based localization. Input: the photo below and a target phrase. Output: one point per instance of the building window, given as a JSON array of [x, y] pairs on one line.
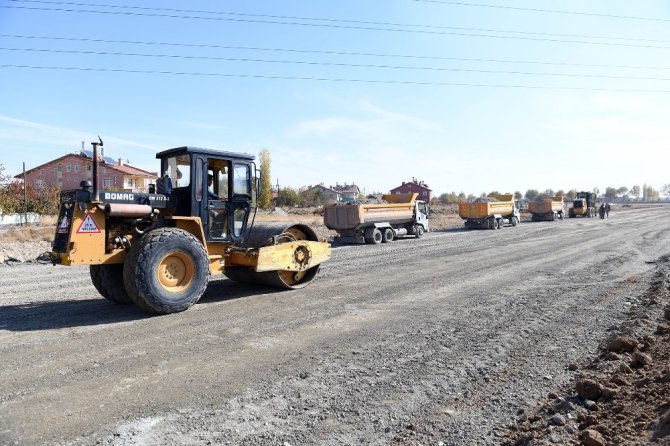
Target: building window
[[76, 167], [68, 167], [129, 182], [108, 182], [59, 167], [42, 171], [88, 166]]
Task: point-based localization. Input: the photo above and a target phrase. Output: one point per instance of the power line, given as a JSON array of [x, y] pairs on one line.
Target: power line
[[323, 79], [551, 11], [333, 64], [325, 52], [279, 20]]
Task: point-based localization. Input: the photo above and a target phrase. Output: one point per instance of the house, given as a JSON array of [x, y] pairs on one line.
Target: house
[[348, 192], [69, 170], [414, 186], [329, 194]]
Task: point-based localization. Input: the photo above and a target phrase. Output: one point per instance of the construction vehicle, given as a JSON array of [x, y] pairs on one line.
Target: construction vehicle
[[158, 249], [585, 204], [401, 215], [546, 209], [493, 212]]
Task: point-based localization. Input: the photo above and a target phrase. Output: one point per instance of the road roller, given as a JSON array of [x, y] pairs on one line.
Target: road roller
[[158, 248]]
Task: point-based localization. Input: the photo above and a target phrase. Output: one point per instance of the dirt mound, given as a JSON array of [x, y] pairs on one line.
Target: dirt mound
[[621, 397]]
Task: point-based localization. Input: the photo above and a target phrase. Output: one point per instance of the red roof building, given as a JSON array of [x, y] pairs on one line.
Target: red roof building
[[415, 186], [69, 170]]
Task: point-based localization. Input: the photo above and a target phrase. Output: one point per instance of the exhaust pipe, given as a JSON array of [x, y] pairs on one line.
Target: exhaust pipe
[[128, 210], [96, 194]]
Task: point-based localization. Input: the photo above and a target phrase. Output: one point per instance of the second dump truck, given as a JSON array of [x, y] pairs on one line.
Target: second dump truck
[[401, 215], [493, 212], [546, 209]]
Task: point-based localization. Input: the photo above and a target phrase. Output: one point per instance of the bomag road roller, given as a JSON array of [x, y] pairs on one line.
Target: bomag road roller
[[157, 249]]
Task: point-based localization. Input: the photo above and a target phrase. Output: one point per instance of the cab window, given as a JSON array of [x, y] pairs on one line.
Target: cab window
[[241, 180]]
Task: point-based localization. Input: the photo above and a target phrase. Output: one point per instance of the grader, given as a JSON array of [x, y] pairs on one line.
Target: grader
[[158, 249]]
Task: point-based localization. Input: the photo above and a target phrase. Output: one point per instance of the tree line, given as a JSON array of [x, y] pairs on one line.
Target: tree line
[[623, 193]]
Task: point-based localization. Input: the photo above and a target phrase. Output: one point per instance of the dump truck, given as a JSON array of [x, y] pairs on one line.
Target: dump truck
[[493, 212], [374, 223], [585, 204], [546, 209], [157, 249]]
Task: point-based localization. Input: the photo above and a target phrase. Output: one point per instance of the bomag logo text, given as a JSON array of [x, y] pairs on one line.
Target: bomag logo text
[[113, 196]]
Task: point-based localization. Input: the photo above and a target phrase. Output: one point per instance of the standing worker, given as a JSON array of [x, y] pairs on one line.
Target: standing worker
[[601, 211], [607, 210]]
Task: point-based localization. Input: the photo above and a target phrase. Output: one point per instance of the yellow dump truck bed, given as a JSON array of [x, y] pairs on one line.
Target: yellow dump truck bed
[[546, 205], [479, 210], [400, 208]]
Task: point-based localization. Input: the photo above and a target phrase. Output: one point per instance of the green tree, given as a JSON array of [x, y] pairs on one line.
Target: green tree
[[531, 194], [621, 191], [665, 190], [548, 193], [570, 195], [313, 197], [610, 193], [265, 196], [560, 193], [635, 192], [518, 195], [288, 197]]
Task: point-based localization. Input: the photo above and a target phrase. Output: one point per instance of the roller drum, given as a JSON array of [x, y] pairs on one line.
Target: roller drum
[[268, 234]]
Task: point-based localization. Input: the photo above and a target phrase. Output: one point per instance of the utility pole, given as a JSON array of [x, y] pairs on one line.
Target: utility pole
[[25, 196]]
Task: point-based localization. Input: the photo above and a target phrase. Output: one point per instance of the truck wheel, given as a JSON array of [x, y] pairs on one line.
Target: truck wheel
[[387, 235], [418, 231], [166, 271], [108, 280], [501, 224], [495, 224], [555, 217], [376, 236], [515, 221]]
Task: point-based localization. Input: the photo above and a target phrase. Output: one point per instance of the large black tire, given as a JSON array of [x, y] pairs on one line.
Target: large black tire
[[373, 237], [387, 235], [108, 280], [515, 221], [418, 231], [166, 271]]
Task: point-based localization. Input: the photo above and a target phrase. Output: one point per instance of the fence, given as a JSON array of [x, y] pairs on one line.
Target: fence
[[18, 219]]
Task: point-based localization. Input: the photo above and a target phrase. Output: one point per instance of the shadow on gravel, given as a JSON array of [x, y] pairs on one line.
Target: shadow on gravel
[[221, 290], [63, 314], [79, 313]]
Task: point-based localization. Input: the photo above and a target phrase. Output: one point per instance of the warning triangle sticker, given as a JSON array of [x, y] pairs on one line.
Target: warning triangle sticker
[[88, 226]]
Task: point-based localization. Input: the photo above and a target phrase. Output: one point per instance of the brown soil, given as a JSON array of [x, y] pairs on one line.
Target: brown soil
[[622, 397]]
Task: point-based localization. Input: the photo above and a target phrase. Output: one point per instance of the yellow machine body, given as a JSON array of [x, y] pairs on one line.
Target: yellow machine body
[[88, 246]]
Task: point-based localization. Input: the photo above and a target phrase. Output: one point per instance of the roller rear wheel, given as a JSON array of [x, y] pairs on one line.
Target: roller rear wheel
[[108, 280]]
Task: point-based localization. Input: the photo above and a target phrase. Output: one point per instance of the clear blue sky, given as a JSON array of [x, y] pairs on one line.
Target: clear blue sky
[[453, 100]]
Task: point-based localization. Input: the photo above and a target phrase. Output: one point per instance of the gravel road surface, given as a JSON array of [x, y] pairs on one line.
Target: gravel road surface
[[421, 341]]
